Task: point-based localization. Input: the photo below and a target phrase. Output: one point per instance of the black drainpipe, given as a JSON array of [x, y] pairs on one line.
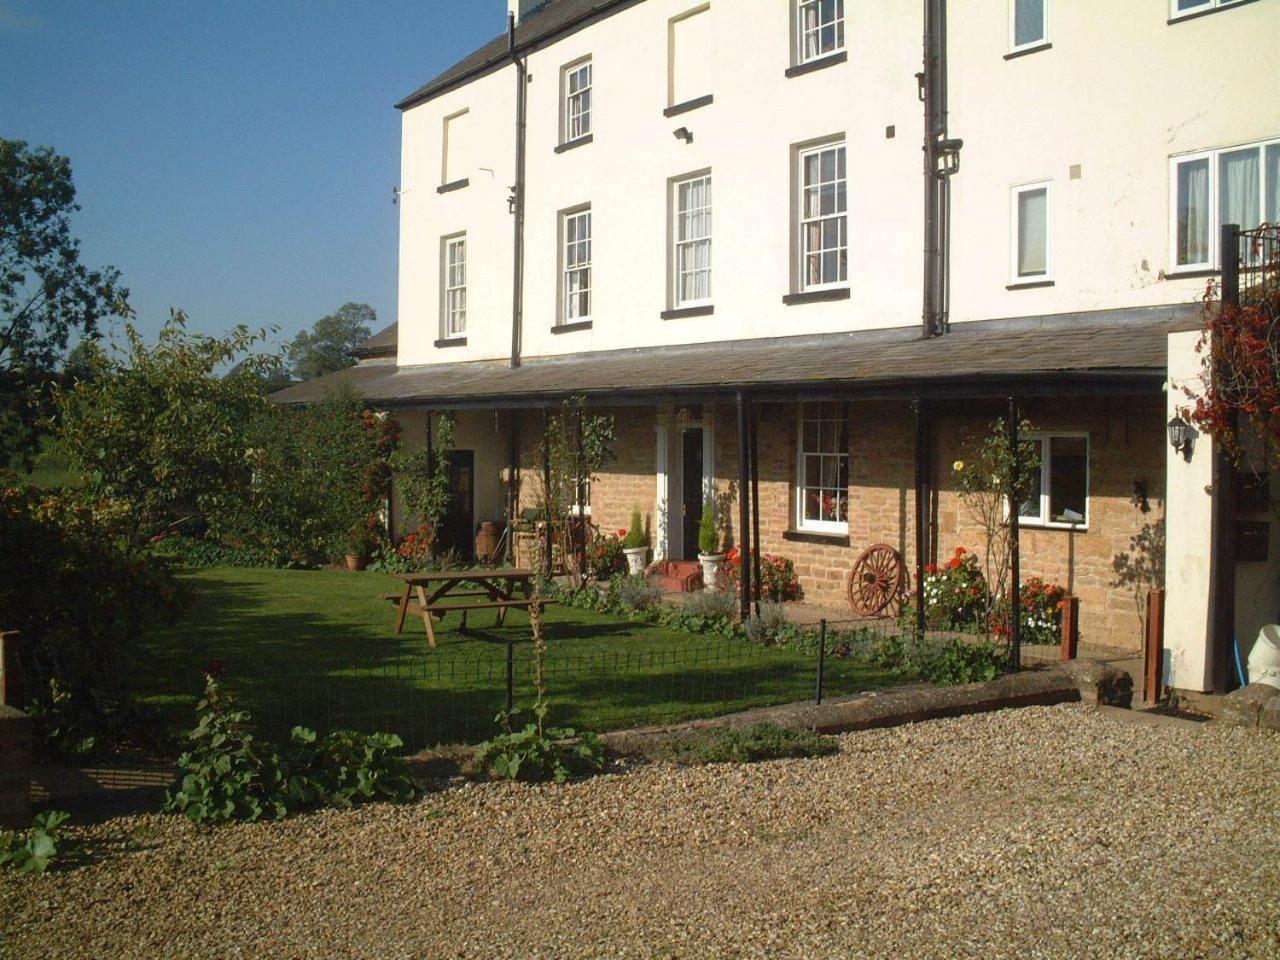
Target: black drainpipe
[[941, 161], [517, 196]]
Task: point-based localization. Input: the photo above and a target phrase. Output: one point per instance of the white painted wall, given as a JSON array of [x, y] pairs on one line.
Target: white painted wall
[[1188, 537], [1119, 91]]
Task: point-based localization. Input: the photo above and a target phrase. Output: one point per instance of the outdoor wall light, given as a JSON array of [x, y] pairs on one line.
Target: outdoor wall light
[[683, 133], [1181, 436]]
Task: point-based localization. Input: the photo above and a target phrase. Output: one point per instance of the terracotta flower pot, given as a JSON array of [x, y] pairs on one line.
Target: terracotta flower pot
[[355, 563]]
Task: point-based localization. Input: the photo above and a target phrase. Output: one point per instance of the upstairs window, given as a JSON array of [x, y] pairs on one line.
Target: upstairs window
[[823, 242], [1062, 497], [1028, 24], [576, 82], [823, 484], [455, 286], [689, 57], [819, 28], [1184, 8], [575, 266], [1239, 185], [692, 241], [1030, 253], [456, 147]]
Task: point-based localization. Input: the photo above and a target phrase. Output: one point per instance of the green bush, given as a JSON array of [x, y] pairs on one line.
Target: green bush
[[636, 536], [31, 851], [708, 536], [760, 741], [767, 628], [228, 774], [535, 754], [634, 593], [713, 606], [203, 552]]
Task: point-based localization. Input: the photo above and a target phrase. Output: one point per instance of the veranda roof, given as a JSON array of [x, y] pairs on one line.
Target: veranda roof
[[1113, 351]]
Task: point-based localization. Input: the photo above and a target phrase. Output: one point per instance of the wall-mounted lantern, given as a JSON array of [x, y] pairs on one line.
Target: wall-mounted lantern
[[1181, 436]]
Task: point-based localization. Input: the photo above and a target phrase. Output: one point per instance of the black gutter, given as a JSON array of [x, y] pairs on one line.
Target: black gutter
[[941, 161], [517, 196]]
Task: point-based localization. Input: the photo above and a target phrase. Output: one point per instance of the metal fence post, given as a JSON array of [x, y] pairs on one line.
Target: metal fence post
[[822, 656], [511, 674]]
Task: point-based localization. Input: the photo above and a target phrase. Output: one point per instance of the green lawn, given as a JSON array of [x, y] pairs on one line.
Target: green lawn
[[319, 648]]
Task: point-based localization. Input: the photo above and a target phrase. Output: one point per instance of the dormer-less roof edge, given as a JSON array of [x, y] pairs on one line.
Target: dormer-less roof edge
[[550, 23]]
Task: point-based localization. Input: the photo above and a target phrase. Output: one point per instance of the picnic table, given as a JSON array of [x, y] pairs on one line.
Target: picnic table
[[460, 591]]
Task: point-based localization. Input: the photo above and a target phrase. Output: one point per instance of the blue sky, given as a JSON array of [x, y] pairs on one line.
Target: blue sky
[[235, 159]]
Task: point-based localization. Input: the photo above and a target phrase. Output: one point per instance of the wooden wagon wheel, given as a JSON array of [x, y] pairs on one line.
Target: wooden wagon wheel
[[876, 580]]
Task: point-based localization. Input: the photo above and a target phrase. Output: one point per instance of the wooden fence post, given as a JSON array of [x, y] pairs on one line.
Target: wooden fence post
[[1153, 650], [1070, 626], [10, 681]]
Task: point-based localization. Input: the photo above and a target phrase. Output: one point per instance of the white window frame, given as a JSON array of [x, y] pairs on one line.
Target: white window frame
[[1015, 195], [1041, 41], [453, 295], [1214, 156], [1176, 14], [571, 111], [576, 215], [1042, 518], [838, 22], [677, 244], [837, 527], [802, 221]]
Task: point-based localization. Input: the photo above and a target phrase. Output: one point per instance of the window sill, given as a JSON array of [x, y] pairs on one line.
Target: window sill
[[813, 536], [451, 342], [1192, 273], [574, 144], [571, 327], [453, 185], [816, 296], [678, 108], [1028, 284], [679, 313], [1015, 54], [1025, 524], [830, 60], [1196, 14]]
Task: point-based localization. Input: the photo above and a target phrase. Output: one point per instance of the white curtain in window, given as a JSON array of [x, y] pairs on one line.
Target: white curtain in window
[[1033, 240], [1193, 212], [1028, 21], [1238, 175], [1273, 183]]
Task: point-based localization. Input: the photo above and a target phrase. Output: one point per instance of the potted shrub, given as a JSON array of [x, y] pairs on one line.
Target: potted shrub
[[709, 553], [635, 545], [360, 543]]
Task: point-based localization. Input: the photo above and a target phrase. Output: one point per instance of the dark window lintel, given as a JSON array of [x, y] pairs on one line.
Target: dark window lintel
[[1029, 285], [452, 342], [453, 185], [571, 327], [680, 313], [830, 60], [816, 296], [678, 108], [1046, 45], [572, 144]]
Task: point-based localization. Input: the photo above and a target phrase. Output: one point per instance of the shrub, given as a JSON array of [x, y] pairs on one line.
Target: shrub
[[712, 605], [955, 661], [635, 536], [81, 591], [31, 851], [534, 755], [203, 552], [634, 594], [766, 628], [708, 535], [760, 741], [605, 557], [777, 574], [1041, 611], [228, 774], [955, 594]]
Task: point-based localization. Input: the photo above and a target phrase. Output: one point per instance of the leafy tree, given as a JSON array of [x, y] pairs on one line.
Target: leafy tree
[[329, 345], [159, 430], [267, 373], [46, 293]]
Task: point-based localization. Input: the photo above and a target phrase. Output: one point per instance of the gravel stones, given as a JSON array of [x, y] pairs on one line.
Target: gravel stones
[[1043, 832]]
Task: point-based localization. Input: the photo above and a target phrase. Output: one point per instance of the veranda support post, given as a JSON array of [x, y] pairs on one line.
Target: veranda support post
[[1015, 571], [753, 415], [744, 513], [922, 514], [1222, 555]]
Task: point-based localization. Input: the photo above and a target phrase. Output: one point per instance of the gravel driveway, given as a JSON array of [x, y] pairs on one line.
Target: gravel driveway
[[1045, 832]]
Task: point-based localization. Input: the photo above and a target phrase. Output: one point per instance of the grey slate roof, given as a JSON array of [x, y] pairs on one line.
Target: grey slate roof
[[381, 344], [548, 23], [1123, 348]]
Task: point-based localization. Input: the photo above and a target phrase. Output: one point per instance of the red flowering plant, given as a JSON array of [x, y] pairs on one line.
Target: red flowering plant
[[1041, 610], [605, 556], [1238, 401], [955, 593], [777, 574]]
